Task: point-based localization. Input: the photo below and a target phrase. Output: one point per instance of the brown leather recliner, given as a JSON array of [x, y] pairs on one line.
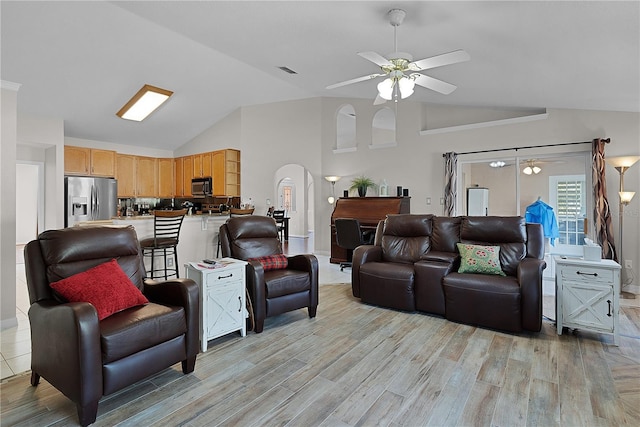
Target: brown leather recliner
[[272, 292], [86, 358]]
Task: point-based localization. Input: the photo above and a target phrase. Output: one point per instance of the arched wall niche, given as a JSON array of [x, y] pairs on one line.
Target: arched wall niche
[[383, 129], [345, 127]]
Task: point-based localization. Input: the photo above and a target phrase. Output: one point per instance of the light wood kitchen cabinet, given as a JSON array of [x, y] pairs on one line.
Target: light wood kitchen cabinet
[[136, 175], [226, 172], [202, 165], [178, 169], [89, 161], [165, 178], [126, 175], [187, 175], [146, 177]]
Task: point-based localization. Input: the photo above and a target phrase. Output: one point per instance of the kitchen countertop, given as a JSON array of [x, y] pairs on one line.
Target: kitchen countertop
[[186, 217]]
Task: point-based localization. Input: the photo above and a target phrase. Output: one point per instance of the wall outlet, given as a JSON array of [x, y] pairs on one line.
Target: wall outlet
[[628, 263], [169, 262], [441, 201], [428, 200]]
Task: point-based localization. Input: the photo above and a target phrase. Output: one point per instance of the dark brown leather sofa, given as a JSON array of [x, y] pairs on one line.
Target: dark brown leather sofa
[[86, 358], [272, 292], [414, 261]]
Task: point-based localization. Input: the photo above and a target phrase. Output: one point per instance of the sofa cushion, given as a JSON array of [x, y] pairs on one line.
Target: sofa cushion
[[446, 233], [154, 324], [388, 285], [272, 262], [479, 259], [406, 237], [478, 299], [509, 233], [104, 286]]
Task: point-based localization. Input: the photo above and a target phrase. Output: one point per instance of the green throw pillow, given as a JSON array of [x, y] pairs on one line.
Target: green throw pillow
[[479, 259]]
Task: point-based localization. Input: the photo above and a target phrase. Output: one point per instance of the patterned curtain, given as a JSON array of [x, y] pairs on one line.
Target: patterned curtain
[[450, 177], [602, 210]]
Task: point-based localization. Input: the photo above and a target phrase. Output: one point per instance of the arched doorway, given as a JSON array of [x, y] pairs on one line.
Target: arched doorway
[[294, 192]]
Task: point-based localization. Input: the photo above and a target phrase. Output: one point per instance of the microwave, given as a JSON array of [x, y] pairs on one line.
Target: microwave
[[201, 187]]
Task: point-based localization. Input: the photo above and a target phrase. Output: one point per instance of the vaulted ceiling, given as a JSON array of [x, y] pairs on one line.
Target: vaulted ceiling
[[81, 61]]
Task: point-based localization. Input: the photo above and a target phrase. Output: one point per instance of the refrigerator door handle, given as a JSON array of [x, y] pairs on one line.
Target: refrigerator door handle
[[97, 204], [93, 203]]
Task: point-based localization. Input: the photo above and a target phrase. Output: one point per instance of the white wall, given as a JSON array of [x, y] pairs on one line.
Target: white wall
[[8, 143]]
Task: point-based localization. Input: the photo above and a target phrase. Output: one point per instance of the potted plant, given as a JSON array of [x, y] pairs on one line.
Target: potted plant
[[362, 183]]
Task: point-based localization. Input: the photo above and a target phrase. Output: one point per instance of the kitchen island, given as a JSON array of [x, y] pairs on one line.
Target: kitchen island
[[198, 236]]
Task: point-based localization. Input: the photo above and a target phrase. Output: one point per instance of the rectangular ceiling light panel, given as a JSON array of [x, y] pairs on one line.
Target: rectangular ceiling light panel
[[144, 103]]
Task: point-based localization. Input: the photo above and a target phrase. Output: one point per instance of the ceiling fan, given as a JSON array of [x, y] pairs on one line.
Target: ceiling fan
[[400, 68]]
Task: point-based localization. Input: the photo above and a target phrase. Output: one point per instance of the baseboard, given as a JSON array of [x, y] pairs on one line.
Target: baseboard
[[8, 323]]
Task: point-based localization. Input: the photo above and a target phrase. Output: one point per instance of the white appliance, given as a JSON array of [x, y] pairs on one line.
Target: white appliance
[[89, 199], [477, 201]]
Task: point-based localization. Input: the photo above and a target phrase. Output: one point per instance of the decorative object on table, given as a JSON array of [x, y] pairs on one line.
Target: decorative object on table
[[345, 193], [362, 184], [622, 164], [383, 189], [399, 191], [332, 179], [405, 192]]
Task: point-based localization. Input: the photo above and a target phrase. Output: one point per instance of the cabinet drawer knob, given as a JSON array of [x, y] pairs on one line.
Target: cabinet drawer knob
[[225, 277], [587, 274], [609, 303]]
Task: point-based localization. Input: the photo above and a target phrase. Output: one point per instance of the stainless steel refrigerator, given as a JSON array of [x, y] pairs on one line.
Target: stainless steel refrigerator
[[89, 199]]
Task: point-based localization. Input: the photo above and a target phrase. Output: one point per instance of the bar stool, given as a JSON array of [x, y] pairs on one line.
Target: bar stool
[[166, 230]]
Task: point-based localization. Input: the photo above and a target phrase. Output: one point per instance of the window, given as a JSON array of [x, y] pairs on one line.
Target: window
[[567, 194]]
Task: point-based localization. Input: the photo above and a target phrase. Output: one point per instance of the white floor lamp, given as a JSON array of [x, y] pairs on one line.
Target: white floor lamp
[[622, 164]]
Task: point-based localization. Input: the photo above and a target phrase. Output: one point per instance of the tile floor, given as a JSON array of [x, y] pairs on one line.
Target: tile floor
[[15, 343]]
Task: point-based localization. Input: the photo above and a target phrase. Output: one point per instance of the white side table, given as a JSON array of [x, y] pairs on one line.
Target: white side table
[[222, 298], [588, 295]]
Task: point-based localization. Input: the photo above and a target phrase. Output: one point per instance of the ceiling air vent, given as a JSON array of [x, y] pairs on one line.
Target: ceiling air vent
[[287, 70]]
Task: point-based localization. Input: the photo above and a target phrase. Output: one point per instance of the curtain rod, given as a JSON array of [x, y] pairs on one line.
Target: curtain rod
[[523, 148]]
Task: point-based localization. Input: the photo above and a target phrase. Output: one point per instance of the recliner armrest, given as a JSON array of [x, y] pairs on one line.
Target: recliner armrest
[[184, 293], [361, 255], [308, 263], [529, 276], [67, 333], [446, 257], [256, 288]]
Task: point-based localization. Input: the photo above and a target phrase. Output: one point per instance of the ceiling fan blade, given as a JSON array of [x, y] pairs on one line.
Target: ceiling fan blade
[[356, 80], [440, 60], [379, 100], [376, 58], [433, 84]]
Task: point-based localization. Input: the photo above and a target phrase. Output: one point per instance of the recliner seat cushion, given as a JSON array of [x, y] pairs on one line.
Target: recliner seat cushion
[[472, 299], [285, 282], [139, 328], [388, 284]]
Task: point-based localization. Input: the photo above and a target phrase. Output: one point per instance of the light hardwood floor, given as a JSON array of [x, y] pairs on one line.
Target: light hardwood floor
[[359, 365]]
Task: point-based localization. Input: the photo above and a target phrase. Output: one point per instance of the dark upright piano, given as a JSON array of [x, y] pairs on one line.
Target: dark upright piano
[[369, 211]]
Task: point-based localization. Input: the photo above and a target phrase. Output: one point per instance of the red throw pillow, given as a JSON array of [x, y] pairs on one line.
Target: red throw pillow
[[272, 262], [105, 286]]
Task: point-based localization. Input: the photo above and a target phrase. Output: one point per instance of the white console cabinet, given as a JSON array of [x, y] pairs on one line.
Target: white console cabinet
[[587, 295], [222, 298]]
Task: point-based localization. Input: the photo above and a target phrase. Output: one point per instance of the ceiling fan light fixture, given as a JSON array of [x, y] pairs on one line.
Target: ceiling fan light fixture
[[497, 164], [143, 103], [385, 89], [406, 86], [536, 170]]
